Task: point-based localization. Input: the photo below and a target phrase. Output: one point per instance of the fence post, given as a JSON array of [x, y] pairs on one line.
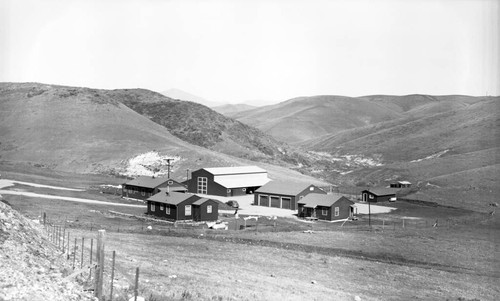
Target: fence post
[[81, 260], [91, 255], [383, 225], [64, 236], [67, 241], [44, 218], [74, 255], [100, 263], [112, 276], [136, 289], [403, 223]]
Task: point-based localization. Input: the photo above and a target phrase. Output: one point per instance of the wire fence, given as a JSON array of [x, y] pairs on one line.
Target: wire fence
[[93, 266]]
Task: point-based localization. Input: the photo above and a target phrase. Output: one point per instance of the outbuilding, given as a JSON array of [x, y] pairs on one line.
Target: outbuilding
[[145, 187], [328, 207], [177, 206], [227, 181], [400, 184], [279, 194], [374, 195]]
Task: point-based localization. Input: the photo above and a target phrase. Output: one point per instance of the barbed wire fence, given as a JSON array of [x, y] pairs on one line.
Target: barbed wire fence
[[87, 259]]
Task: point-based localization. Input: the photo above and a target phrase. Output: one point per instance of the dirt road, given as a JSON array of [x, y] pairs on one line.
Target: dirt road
[[7, 183]]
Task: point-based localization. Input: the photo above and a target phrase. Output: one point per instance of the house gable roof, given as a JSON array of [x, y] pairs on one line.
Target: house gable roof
[[284, 188], [172, 198], [314, 200], [202, 201], [148, 182], [382, 191]]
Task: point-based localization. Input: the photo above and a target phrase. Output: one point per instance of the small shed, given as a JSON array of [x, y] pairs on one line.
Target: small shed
[[284, 195], [227, 181], [145, 187], [400, 184], [205, 210], [374, 195], [177, 206], [326, 207]]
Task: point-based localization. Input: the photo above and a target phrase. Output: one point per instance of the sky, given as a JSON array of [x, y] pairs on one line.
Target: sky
[[260, 51]]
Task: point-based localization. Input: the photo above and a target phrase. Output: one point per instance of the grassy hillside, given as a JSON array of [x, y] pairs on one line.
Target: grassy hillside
[[91, 131], [233, 108], [304, 118], [448, 146]]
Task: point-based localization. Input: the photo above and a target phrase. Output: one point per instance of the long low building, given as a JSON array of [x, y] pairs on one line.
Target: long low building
[[284, 195], [227, 181], [374, 195], [144, 187]]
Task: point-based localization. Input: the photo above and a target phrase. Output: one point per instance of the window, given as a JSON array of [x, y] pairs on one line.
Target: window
[[152, 207], [143, 193], [202, 185], [167, 210], [370, 196], [311, 188], [209, 209], [162, 207], [187, 210], [324, 211], [337, 211]]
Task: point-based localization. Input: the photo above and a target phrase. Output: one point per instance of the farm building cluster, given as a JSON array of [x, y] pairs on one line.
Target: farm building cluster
[[190, 200]]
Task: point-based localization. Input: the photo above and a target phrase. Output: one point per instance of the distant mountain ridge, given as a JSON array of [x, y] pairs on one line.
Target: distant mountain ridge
[[183, 95]]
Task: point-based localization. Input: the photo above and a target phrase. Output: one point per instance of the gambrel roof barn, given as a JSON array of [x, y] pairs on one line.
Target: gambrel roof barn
[[227, 181]]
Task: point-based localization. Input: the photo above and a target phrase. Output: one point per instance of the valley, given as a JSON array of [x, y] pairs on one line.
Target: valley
[[439, 243]]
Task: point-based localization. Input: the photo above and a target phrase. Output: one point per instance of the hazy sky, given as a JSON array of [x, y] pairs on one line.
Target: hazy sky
[[239, 50]]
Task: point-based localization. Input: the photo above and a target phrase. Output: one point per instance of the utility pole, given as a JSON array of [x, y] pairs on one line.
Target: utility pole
[[369, 215], [168, 168]]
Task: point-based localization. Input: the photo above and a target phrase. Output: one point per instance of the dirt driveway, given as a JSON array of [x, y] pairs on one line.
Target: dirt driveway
[[247, 207]]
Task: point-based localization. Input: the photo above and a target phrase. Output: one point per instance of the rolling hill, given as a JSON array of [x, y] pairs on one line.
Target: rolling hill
[[304, 118], [233, 108], [447, 145], [92, 131]]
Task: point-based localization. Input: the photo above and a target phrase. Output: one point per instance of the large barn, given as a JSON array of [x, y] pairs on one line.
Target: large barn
[[145, 187], [374, 195], [227, 181], [283, 194], [326, 207], [178, 206]]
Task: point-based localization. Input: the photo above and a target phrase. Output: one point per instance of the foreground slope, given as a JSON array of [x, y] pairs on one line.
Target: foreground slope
[[90, 131]]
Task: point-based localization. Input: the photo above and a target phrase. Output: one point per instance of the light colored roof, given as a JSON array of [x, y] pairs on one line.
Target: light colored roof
[[284, 188], [313, 200], [148, 182], [173, 198], [201, 201], [242, 180], [382, 191], [235, 170], [404, 182]]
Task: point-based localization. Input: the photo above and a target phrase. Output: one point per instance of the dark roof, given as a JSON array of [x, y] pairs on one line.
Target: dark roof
[[313, 200], [148, 182], [173, 198], [284, 188], [382, 191]]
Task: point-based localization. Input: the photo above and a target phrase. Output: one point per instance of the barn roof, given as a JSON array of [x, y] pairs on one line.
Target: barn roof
[[283, 188], [242, 180], [148, 182], [382, 191], [404, 182], [314, 200], [172, 198], [235, 170]]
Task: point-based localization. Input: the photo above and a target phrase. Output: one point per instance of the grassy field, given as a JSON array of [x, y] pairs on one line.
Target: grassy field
[[277, 259]]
